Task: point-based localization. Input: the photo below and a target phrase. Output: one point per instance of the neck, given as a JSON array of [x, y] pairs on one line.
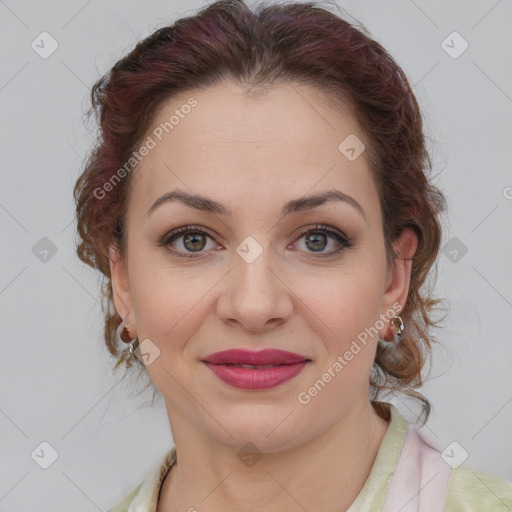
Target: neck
[[335, 465]]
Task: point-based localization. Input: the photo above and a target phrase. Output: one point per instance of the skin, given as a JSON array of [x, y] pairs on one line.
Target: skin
[[253, 155]]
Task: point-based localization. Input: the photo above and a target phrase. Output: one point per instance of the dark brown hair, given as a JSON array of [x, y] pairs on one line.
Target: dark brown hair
[[284, 43]]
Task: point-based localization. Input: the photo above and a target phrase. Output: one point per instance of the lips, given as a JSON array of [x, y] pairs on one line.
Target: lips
[[267, 357], [255, 371]]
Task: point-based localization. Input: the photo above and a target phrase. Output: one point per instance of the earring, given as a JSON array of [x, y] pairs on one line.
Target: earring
[[123, 336], [398, 327]]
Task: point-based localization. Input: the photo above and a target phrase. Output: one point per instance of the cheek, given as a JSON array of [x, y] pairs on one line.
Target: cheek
[[163, 313], [168, 311], [350, 310], [350, 302], [169, 303]]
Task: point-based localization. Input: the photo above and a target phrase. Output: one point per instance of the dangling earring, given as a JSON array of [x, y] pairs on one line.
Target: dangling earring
[[123, 336], [398, 327]]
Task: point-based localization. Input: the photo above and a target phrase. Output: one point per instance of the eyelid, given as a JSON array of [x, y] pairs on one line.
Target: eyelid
[[344, 241], [301, 231], [321, 227], [167, 238]]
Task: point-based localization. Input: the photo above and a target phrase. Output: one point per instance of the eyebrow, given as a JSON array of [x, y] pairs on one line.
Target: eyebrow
[[295, 205]]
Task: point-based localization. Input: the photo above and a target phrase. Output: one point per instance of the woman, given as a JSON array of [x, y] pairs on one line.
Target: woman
[[259, 205]]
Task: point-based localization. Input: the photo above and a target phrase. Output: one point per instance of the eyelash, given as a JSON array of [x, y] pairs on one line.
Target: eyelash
[[345, 242]]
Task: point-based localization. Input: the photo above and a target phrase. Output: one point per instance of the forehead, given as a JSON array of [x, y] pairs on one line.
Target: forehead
[[230, 144]]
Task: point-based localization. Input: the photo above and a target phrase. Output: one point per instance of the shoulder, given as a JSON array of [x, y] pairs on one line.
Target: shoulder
[[123, 504], [144, 497], [461, 489], [473, 490]]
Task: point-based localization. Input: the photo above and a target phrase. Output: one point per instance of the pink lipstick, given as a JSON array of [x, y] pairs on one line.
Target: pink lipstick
[[249, 370]]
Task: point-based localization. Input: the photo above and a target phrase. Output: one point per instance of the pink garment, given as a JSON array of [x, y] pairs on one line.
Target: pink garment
[[420, 480]]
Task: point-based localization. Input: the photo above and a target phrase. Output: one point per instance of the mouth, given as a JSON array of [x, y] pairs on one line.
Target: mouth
[[266, 357], [261, 370], [252, 366]]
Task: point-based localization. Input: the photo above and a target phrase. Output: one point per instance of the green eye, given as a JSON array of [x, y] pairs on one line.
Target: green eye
[[195, 240]]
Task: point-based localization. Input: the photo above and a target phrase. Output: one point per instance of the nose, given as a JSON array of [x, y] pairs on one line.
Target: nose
[[255, 297]]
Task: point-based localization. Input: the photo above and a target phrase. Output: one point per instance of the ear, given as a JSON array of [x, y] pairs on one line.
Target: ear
[[120, 286], [399, 275]]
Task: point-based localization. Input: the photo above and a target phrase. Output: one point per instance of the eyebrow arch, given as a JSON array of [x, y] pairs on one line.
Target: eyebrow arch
[[295, 205]]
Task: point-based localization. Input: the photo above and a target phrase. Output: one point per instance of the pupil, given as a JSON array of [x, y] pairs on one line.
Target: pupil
[[193, 238], [313, 241], [317, 238]]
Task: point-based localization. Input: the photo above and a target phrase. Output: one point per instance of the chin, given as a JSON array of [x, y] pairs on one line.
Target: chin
[[270, 428]]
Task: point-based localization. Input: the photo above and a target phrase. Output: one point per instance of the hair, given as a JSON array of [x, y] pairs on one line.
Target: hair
[[291, 43]]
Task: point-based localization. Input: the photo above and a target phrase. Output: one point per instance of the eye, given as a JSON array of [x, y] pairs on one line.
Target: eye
[[193, 240], [317, 238]]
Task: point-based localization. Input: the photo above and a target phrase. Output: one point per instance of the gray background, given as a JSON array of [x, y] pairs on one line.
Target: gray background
[[56, 380]]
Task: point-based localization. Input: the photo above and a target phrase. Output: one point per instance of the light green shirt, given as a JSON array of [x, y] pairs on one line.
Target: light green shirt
[[469, 489]]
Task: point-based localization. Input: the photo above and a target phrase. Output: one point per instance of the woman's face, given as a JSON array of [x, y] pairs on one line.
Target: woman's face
[[247, 275]]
